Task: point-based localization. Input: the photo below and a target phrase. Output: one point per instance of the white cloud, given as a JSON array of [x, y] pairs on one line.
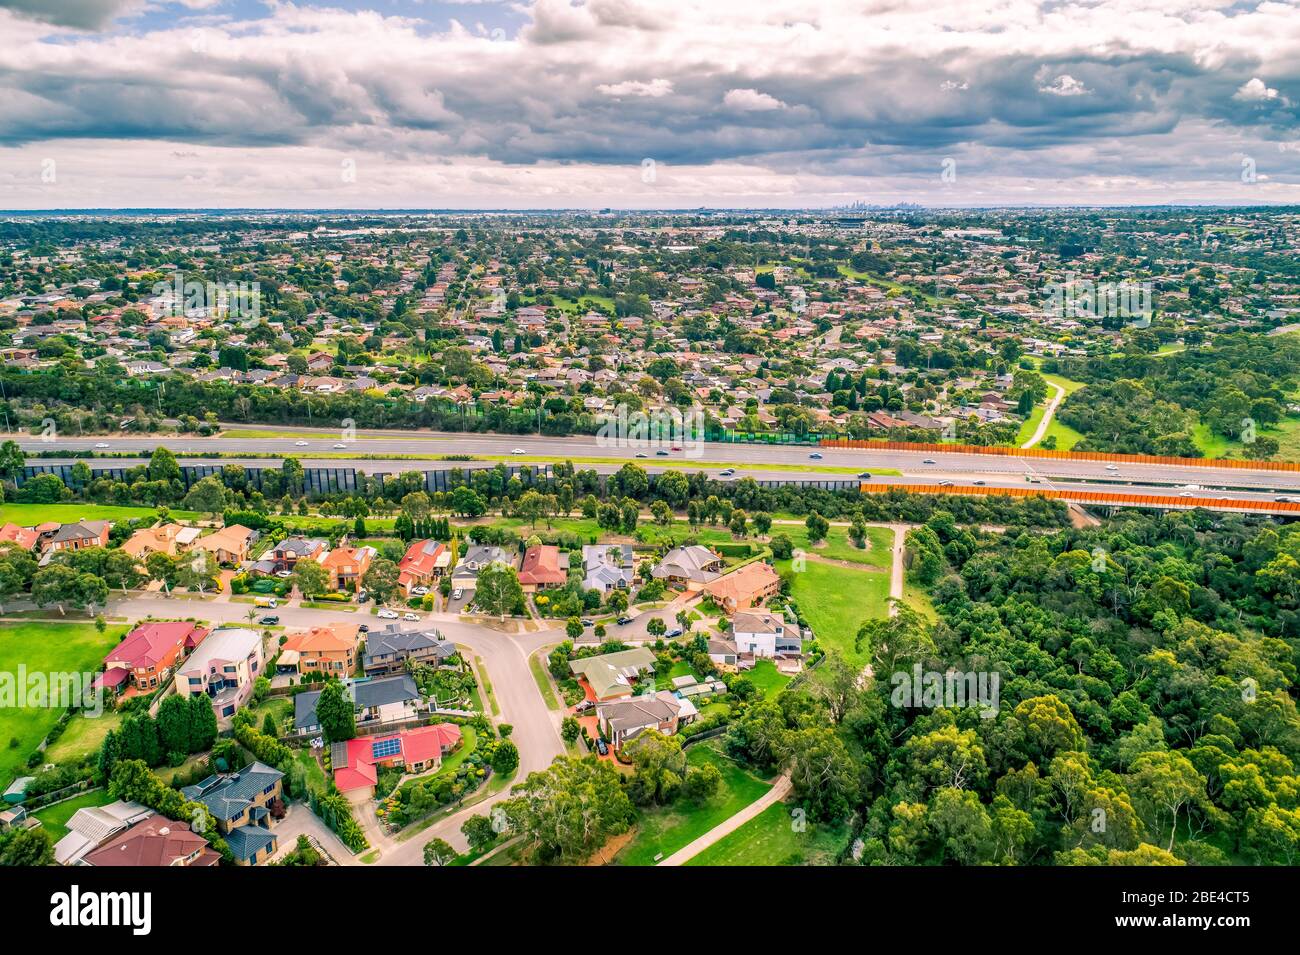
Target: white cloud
[[653, 89], [1256, 90], [751, 101], [1064, 85]]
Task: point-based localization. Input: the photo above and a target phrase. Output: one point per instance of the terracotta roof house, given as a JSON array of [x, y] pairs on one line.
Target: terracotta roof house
[[90, 826], [331, 649], [347, 565], [423, 561], [689, 567], [160, 539], [24, 537], [544, 566], [146, 655], [228, 545], [387, 650], [417, 750], [613, 675], [154, 841], [744, 588]]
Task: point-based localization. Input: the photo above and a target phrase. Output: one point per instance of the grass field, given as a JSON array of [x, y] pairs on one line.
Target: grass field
[[44, 648], [1286, 432], [83, 736], [767, 678], [55, 818], [837, 546], [669, 828], [680, 668], [29, 515], [836, 601], [1066, 437], [770, 839]]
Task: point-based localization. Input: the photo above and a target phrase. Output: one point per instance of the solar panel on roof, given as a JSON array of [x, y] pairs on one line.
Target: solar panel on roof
[[385, 748]]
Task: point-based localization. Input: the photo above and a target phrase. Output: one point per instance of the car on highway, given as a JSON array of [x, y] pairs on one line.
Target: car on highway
[[661, 453], [1184, 493], [340, 447], [726, 472], [676, 447], [624, 621], [270, 620], [816, 455], [410, 616], [980, 483], [387, 614], [928, 461], [1112, 467], [518, 451], [945, 484], [1285, 500], [1191, 487], [642, 454], [102, 444], [864, 475], [300, 444]]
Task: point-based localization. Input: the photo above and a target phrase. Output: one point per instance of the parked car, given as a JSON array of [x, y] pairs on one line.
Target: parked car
[[602, 747], [363, 627], [410, 616], [363, 596], [587, 623], [583, 706], [269, 620], [675, 632], [624, 621], [457, 594], [387, 614], [419, 591], [283, 574]]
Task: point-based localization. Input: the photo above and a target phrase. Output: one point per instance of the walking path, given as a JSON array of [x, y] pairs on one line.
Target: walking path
[[896, 572], [731, 824], [1043, 425]]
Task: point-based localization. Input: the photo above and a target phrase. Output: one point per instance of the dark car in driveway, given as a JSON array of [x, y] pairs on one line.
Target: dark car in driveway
[[602, 747]]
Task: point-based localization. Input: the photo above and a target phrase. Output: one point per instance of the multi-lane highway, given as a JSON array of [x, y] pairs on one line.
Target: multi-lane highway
[[384, 450]]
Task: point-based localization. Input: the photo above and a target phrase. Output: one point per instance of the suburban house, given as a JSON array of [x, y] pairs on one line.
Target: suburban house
[[167, 539], [154, 841], [389, 699], [416, 750], [613, 675], [689, 568], [607, 567], [24, 537], [464, 576], [244, 805], [347, 565], [286, 554], [228, 545], [90, 826], [624, 720], [331, 649], [763, 634], [79, 535], [147, 654], [224, 667], [724, 654], [744, 588], [423, 562], [544, 566], [387, 650]]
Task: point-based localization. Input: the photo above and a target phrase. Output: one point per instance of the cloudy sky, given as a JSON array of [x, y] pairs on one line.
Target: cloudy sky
[[646, 103]]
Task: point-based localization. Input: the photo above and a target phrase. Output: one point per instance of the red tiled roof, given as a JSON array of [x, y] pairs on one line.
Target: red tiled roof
[[149, 643], [541, 565]]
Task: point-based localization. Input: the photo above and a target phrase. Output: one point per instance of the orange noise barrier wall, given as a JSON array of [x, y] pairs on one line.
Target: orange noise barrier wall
[[1062, 455], [1089, 497]]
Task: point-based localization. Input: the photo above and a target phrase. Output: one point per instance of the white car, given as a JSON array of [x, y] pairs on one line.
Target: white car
[[1184, 493], [410, 616], [340, 447], [283, 574], [387, 614], [300, 444], [419, 591], [457, 594], [102, 444], [518, 451], [1112, 467]]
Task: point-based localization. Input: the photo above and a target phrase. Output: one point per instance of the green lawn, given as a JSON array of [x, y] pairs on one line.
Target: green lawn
[[29, 515], [543, 681], [45, 648], [669, 828], [680, 668], [1286, 432], [767, 678], [837, 546], [1066, 437], [770, 839], [83, 736], [55, 818], [836, 601]]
